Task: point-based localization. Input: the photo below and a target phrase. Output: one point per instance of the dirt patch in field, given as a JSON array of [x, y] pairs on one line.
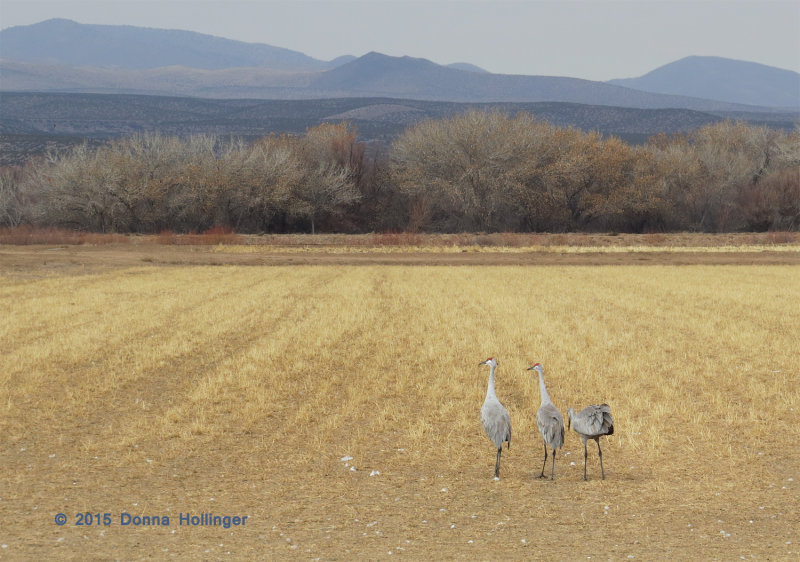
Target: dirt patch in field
[[43, 260]]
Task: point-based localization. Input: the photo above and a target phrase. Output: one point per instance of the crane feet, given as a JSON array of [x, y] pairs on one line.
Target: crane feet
[[541, 475]]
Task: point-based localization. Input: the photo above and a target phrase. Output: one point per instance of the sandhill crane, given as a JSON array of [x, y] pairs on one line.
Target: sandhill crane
[[494, 416], [549, 421], [592, 423]]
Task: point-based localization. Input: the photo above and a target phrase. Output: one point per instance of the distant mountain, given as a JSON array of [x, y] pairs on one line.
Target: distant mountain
[[65, 42], [722, 79], [376, 75], [64, 56], [373, 75]]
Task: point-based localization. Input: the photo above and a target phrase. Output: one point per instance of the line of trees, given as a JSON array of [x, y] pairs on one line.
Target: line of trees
[[477, 171]]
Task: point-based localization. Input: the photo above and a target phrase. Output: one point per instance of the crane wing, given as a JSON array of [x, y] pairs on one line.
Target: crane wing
[[594, 420], [496, 422], [551, 425]]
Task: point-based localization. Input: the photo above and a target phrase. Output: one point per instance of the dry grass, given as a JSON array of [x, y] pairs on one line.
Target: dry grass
[[239, 390]]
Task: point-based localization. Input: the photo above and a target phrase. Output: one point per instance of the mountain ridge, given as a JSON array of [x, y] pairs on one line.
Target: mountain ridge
[[64, 56], [63, 41], [373, 75], [376, 74]]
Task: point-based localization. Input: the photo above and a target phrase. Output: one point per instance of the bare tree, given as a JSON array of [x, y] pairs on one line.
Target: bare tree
[[478, 170], [76, 191], [160, 178], [258, 182], [12, 206], [706, 173], [328, 183], [471, 167]]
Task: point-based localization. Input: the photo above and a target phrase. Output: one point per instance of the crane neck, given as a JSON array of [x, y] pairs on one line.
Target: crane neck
[[490, 392], [543, 390]]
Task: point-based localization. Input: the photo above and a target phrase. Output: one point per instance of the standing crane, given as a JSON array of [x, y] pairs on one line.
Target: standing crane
[[494, 416], [592, 423], [549, 421]]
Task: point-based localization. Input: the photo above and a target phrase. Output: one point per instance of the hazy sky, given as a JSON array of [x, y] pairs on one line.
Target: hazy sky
[[598, 40]]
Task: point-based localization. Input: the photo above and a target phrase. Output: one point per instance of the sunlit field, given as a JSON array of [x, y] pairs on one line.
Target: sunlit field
[[338, 408]]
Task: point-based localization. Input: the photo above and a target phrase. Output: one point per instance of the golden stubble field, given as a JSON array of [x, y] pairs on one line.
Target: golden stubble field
[[338, 408]]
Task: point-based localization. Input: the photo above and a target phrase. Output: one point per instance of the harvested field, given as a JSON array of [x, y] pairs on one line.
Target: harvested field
[[337, 407]]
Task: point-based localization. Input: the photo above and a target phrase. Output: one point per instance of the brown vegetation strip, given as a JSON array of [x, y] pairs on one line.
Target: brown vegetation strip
[[28, 235]]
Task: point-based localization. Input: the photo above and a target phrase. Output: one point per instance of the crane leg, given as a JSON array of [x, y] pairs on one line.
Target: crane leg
[[545, 462], [585, 454], [553, 471], [600, 454], [497, 465]]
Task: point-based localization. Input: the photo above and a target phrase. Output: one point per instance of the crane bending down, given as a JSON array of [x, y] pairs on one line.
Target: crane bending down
[[549, 421], [494, 416], [592, 423]]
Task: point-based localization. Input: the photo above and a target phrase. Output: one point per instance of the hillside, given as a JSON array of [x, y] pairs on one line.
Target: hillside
[[722, 79], [107, 114], [31, 123]]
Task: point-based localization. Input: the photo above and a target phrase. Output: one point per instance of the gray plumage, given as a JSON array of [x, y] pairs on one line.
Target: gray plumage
[[592, 423], [494, 416], [549, 421]]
